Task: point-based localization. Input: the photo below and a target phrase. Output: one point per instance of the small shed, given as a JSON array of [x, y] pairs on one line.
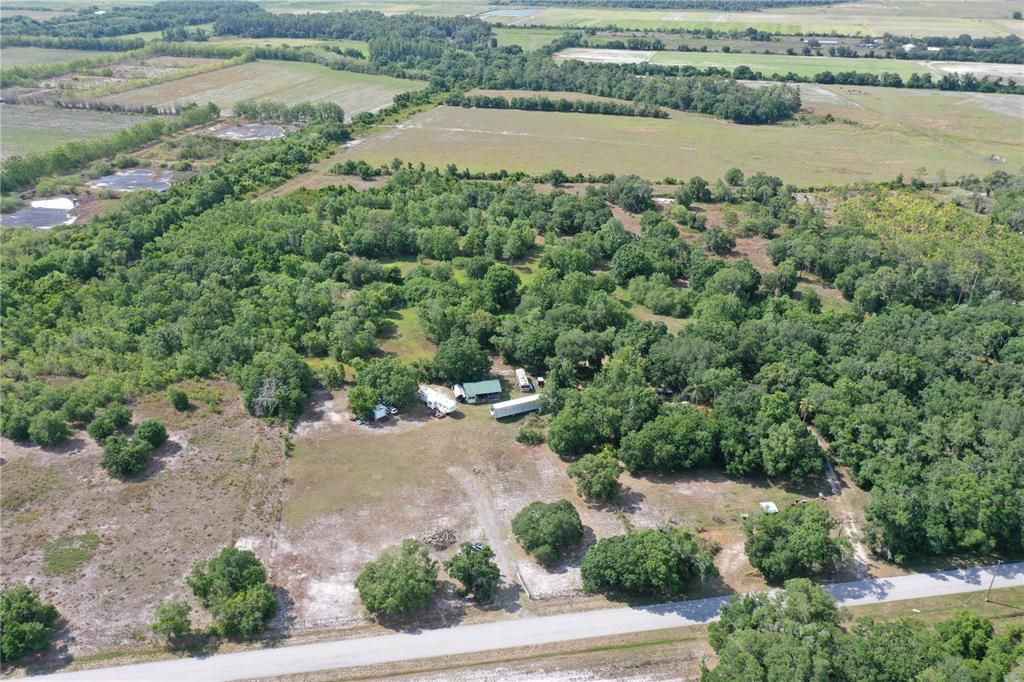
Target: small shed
[[479, 391], [379, 412], [769, 508]]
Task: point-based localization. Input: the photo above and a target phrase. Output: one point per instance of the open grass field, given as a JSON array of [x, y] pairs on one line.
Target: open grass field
[[900, 17], [232, 41], [30, 56], [800, 65], [881, 132], [527, 38], [28, 128], [289, 82]]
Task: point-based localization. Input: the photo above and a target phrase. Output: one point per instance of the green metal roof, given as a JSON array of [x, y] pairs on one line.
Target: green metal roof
[[475, 388]]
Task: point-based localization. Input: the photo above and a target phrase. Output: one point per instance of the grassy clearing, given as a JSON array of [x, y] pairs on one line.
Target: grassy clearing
[[29, 128], [882, 132], [30, 56], [230, 41], [66, 554], [527, 38], [289, 82], [406, 338], [800, 65]]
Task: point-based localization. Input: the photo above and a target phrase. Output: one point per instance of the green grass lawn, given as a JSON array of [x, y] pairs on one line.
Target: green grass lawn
[[289, 82], [405, 337], [29, 128]]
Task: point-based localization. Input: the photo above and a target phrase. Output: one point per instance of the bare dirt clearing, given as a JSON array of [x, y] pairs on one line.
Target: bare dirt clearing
[[215, 481]]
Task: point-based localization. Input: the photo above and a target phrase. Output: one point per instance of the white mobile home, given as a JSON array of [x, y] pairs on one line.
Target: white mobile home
[[510, 408], [436, 400]]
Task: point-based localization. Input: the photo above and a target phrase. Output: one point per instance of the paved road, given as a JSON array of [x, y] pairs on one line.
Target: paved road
[[526, 631]]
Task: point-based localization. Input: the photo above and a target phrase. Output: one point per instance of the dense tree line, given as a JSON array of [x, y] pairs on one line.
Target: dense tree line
[[279, 112], [75, 43], [88, 23], [22, 171], [799, 634], [542, 103]]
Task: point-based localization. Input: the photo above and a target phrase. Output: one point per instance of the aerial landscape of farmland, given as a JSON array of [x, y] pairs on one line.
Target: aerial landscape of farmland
[[524, 340]]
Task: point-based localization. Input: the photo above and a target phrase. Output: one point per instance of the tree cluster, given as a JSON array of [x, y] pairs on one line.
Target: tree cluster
[[798, 634], [233, 586]]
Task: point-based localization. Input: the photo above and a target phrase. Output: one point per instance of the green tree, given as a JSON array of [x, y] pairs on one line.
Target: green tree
[[123, 457], [460, 359], [475, 568], [178, 398], [548, 530], [244, 613], [233, 586], [48, 428], [795, 542], [100, 429], [502, 282], [790, 635], [403, 579], [394, 382], [26, 623], [631, 193], [171, 620], [277, 384], [684, 438], [718, 242], [362, 400], [597, 475], [649, 562], [151, 431]]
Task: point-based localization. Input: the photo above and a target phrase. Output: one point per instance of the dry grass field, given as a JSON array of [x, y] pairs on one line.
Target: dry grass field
[[30, 56], [289, 82], [29, 128], [800, 65], [880, 132]]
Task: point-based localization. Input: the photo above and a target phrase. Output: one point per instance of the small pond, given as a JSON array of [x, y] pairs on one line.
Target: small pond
[[156, 179], [42, 214], [251, 131]]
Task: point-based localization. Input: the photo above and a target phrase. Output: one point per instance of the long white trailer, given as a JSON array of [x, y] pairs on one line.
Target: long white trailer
[[510, 408], [436, 400]]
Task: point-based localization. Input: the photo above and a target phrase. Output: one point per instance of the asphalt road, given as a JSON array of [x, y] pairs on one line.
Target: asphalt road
[[519, 632]]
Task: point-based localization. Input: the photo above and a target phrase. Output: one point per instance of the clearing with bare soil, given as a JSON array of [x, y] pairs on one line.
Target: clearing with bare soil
[[216, 480]]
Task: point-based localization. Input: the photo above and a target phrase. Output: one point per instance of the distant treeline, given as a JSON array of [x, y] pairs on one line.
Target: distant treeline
[[966, 82], [542, 103], [366, 25], [267, 111], [72, 43], [19, 172], [461, 53], [717, 5], [124, 20]]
